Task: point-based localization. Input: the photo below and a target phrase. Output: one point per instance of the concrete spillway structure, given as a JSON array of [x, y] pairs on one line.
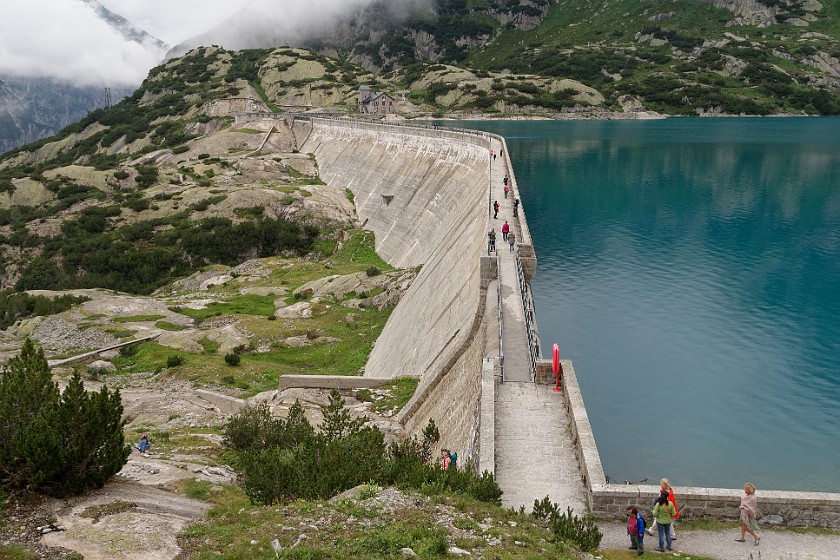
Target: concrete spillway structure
[[424, 192]]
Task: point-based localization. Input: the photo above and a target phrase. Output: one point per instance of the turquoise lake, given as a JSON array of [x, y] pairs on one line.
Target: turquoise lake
[[691, 270]]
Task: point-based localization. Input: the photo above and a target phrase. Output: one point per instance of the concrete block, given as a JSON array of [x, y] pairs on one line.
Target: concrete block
[[330, 382]]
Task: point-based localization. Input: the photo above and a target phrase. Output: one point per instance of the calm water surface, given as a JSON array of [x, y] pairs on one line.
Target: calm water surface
[[691, 269]]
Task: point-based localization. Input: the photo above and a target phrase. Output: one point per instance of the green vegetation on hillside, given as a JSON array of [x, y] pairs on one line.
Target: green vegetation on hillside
[[14, 306]]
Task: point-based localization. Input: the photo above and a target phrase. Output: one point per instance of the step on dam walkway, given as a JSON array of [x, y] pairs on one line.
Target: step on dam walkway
[[535, 455]]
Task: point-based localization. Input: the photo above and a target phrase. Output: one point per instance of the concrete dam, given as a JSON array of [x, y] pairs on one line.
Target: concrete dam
[[466, 328]]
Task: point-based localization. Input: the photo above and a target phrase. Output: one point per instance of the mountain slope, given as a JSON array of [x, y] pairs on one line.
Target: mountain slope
[[677, 57]]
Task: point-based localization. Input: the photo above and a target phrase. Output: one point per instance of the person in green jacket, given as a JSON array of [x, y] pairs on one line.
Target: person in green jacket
[[663, 511]]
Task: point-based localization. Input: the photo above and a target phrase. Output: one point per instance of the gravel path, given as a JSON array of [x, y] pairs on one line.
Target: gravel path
[[774, 545]]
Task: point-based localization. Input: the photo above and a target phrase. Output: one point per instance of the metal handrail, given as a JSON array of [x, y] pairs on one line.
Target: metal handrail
[[530, 317]]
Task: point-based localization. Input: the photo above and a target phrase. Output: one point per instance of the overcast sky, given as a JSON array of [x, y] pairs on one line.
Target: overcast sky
[[66, 39], [173, 21]]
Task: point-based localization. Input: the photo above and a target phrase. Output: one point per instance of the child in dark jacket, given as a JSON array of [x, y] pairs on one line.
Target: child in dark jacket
[[636, 529]]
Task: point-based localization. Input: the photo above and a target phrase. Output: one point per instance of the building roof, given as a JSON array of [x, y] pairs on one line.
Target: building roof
[[374, 96]]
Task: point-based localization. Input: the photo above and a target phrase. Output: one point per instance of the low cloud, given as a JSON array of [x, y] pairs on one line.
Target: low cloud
[[174, 21], [65, 39], [265, 23]]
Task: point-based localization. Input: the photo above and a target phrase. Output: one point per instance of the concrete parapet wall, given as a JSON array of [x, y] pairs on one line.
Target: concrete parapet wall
[[331, 382], [801, 509], [225, 403]]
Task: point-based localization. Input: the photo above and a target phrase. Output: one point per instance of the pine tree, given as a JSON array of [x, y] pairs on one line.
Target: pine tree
[[62, 443]]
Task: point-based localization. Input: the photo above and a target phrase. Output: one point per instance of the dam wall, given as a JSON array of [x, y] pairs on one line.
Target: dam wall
[[424, 192]]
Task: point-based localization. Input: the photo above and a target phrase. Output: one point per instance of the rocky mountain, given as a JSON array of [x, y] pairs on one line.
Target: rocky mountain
[[680, 57], [34, 106], [125, 28]]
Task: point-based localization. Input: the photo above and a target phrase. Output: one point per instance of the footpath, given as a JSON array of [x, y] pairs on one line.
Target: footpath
[[774, 545], [534, 451]]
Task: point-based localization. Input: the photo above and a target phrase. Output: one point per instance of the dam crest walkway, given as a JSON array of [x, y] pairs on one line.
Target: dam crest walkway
[[534, 452]]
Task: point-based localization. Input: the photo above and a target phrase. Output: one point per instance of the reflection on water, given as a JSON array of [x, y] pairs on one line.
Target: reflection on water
[[691, 269]]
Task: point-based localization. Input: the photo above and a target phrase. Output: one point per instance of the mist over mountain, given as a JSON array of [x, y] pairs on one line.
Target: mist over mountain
[[337, 24], [54, 70]]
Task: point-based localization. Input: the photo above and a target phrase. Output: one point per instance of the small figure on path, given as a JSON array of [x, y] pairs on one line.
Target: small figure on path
[[516, 207], [663, 511], [636, 530], [507, 190], [749, 513], [143, 446], [665, 488], [506, 179], [505, 230], [511, 240], [495, 209], [491, 241], [492, 155], [445, 460]]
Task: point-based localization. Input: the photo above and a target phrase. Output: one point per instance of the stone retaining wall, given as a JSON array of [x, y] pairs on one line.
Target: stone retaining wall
[[799, 509]]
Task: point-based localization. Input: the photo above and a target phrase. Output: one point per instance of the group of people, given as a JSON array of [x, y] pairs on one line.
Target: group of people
[[665, 513], [507, 233]]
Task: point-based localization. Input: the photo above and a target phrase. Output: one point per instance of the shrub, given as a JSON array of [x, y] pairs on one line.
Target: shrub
[[60, 443], [121, 174], [568, 526], [174, 361], [373, 271], [232, 359]]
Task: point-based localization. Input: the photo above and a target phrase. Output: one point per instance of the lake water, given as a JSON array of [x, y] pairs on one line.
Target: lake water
[[691, 270]]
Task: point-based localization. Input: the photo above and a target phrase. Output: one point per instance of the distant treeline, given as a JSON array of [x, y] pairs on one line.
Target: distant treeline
[[144, 256], [14, 306]]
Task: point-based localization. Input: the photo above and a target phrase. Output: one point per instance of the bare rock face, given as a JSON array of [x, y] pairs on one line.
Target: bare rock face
[[55, 333], [300, 310], [393, 285], [748, 12], [101, 366]]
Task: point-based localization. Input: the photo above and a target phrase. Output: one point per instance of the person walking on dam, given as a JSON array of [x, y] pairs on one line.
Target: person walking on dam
[[507, 190], [516, 207], [491, 241], [505, 230], [749, 513], [495, 209], [512, 240]]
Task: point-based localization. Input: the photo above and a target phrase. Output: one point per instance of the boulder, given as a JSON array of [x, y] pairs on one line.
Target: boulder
[[300, 310], [100, 366]]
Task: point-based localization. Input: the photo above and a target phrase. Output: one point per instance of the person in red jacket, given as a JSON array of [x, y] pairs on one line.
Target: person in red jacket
[[505, 231], [665, 486]]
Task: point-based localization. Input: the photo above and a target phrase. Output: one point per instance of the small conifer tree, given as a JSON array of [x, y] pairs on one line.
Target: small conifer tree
[[61, 443]]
